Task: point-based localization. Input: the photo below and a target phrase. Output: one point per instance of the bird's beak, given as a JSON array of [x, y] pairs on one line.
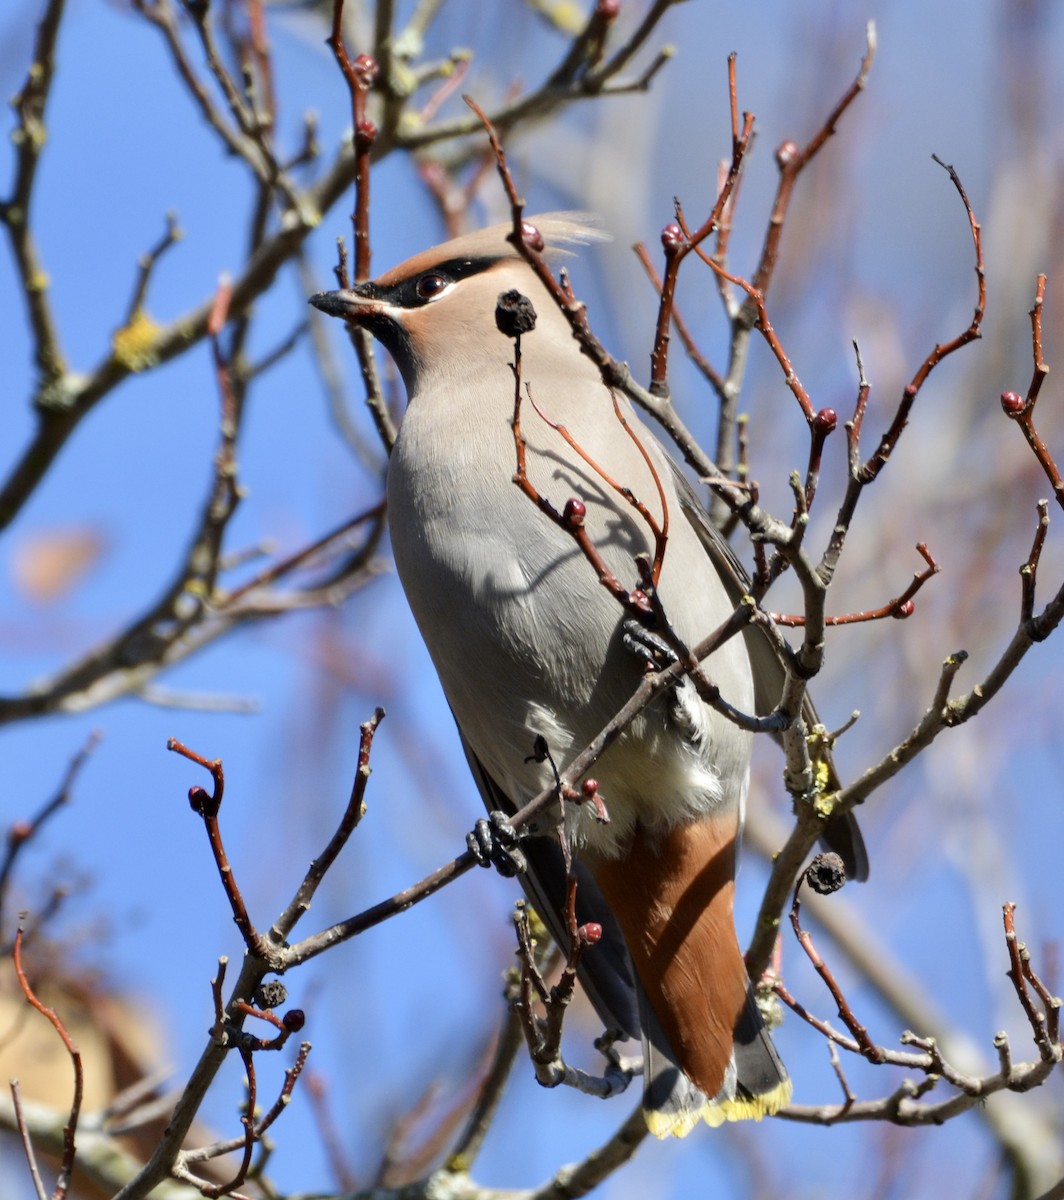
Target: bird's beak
[[350, 304]]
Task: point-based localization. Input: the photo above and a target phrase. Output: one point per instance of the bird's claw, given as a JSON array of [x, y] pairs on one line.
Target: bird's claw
[[494, 843], [654, 652]]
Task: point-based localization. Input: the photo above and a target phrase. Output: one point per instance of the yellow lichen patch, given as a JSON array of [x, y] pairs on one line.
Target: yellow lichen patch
[[134, 344]]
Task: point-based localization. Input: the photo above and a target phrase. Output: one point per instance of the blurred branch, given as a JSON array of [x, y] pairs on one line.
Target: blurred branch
[[66, 1165], [29, 138], [21, 832]]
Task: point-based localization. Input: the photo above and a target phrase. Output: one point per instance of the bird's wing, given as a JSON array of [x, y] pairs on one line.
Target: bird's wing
[[606, 971], [841, 834]]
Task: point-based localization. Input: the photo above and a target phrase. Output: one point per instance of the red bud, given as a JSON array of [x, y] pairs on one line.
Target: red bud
[[590, 933], [826, 420], [574, 513], [366, 70], [672, 237], [640, 600], [294, 1020], [1013, 404], [903, 611], [590, 787], [531, 236]]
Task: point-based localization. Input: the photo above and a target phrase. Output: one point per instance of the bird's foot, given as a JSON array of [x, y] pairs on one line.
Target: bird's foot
[[494, 843], [654, 652]]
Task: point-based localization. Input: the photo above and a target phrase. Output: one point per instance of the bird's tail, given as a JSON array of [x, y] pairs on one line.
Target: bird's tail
[[755, 1085], [707, 1054]]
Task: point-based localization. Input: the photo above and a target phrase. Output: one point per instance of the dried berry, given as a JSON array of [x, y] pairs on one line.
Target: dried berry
[[514, 313], [826, 874], [271, 993]]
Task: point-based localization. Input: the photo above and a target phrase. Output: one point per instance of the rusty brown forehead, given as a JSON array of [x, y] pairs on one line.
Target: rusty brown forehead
[[475, 249]]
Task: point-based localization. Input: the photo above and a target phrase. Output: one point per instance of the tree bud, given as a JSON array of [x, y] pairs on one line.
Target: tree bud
[[1013, 404], [786, 153], [574, 513], [366, 70], [672, 237], [825, 421], [531, 236]]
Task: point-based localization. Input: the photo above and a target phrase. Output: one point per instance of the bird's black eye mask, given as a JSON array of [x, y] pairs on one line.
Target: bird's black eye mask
[[423, 288]]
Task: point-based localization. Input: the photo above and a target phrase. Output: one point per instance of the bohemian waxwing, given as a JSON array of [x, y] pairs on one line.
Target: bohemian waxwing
[[528, 645]]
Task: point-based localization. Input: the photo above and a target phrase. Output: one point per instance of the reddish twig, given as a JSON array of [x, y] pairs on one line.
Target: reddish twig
[[260, 49], [292, 1022], [286, 566], [865, 1045], [791, 161], [528, 242], [359, 75], [660, 531], [451, 82], [207, 806], [756, 297], [291, 1077], [571, 518], [66, 1165], [704, 366], [900, 608], [678, 241], [1021, 409], [941, 350], [247, 1142]]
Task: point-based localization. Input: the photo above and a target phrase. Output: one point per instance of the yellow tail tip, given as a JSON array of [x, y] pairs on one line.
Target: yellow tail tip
[[716, 1112]]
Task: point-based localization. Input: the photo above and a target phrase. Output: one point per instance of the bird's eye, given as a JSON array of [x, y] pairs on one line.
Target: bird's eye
[[431, 285]]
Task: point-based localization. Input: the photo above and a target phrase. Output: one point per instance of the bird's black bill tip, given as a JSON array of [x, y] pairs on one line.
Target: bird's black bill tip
[[335, 304]]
